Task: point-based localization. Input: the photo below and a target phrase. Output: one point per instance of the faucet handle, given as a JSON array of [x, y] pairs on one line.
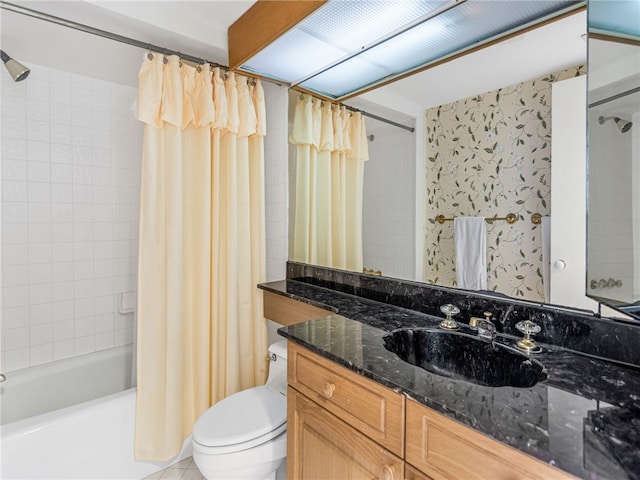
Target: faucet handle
[[449, 310], [528, 328]]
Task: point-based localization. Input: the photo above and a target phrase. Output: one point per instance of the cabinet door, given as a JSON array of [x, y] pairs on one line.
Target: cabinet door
[[445, 450], [321, 446]]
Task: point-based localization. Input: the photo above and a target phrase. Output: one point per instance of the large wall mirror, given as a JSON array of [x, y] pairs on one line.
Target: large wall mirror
[[503, 99], [510, 82], [613, 262]]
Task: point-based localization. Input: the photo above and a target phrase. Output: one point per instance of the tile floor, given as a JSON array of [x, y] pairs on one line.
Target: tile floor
[[186, 470], [183, 470]]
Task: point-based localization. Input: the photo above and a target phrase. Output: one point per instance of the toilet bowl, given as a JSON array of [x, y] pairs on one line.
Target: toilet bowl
[[244, 436]]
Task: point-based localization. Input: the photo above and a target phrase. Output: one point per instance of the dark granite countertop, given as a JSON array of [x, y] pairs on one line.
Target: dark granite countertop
[[584, 418]]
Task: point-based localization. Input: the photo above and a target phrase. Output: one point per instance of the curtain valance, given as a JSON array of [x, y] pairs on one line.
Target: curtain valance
[[181, 95], [329, 128]]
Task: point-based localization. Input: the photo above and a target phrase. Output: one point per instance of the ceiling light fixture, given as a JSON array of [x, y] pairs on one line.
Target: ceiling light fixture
[[621, 21], [337, 49]]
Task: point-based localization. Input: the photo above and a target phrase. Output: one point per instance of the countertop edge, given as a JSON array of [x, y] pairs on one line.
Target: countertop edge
[[276, 288]]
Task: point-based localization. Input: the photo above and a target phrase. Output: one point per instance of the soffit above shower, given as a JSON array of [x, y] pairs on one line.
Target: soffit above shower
[[340, 48]]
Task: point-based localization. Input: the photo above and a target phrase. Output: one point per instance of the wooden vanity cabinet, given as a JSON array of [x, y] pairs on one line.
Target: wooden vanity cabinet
[[286, 311], [321, 446], [340, 425], [344, 426], [411, 473], [368, 407], [443, 449]]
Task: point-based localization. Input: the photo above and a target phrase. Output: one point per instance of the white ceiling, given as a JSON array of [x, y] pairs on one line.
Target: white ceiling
[[199, 28], [202, 21], [548, 49]]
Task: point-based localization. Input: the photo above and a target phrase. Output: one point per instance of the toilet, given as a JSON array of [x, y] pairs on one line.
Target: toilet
[[244, 436]]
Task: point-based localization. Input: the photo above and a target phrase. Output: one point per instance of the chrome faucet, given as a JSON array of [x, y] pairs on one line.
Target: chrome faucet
[[486, 329]]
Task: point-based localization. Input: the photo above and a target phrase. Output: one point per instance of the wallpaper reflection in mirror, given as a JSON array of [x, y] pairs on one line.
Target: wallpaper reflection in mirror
[[489, 155]]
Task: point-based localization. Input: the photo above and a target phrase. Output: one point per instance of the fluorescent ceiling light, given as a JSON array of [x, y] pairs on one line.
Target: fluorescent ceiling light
[[615, 17], [348, 46]]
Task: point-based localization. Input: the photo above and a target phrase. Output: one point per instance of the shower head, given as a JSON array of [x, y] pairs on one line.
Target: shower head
[[17, 71], [623, 125]]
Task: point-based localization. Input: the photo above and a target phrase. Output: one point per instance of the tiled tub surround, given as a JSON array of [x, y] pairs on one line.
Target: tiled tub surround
[[70, 191], [584, 418]]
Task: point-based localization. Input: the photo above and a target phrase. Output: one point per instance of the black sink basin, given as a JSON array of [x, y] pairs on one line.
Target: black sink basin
[[462, 356]]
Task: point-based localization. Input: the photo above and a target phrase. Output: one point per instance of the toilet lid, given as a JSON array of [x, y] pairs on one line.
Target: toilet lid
[[242, 417]]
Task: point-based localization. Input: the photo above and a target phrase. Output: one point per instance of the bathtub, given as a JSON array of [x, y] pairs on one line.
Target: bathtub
[[90, 440], [62, 383]]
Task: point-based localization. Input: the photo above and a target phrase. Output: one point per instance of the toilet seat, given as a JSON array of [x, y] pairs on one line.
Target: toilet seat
[[241, 421]]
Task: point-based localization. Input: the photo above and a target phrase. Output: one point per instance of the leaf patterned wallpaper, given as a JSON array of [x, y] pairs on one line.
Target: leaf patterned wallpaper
[[490, 155]]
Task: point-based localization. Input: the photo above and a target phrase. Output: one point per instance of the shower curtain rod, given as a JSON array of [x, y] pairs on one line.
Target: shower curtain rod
[[109, 35], [353, 109], [614, 97], [12, 7], [381, 119]]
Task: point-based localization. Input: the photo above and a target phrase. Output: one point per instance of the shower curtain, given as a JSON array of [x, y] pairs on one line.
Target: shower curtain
[[331, 148], [201, 333]]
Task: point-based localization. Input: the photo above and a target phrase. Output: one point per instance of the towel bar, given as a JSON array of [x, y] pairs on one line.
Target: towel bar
[[510, 218]]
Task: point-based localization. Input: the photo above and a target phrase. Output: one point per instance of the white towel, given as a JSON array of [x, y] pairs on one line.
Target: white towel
[[470, 237]]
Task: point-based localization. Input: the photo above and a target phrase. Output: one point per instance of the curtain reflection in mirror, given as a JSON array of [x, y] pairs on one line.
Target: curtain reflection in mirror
[[331, 148]]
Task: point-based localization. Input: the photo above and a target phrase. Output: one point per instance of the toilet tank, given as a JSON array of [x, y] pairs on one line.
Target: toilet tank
[[278, 366]]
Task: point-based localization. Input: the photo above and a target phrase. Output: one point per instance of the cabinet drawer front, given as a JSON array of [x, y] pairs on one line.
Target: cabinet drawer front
[[444, 449], [321, 446], [287, 311], [369, 407]]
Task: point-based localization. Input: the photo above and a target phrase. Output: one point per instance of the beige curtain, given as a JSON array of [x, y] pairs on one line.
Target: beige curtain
[[201, 334], [330, 154]]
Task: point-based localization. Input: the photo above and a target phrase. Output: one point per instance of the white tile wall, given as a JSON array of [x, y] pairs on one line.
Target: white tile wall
[[276, 180], [276, 187], [388, 216], [70, 154], [610, 209]]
